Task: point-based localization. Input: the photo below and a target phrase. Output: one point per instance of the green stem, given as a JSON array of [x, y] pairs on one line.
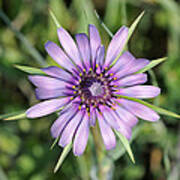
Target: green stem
[[99, 152]]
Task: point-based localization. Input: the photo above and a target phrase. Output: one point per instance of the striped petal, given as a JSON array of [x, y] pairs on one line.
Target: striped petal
[[46, 107], [116, 45], [51, 93], [131, 80], [107, 134], [93, 116], [141, 91], [59, 73], [109, 117], [70, 129], [100, 56], [60, 123], [84, 48], [122, 127], [58, 55], [81, 137], [95, 41], [126, 116], [69, 46], [139, 110], [124, 61], [132, 67], [45, 82]]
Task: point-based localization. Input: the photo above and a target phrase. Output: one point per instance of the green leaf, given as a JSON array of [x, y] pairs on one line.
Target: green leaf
[[30, 70], [54, 19], [13, 116], [131, 30], [63, 155], [126, 144], [155, 108], [152, 64]]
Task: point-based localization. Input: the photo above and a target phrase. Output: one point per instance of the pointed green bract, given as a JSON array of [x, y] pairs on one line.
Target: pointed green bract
[[152, 64], [155, 108], [56, 22], [134, 25], [131, 30], [30, 70], [126, 144], [54, 143], [63, 155], [13, 116]]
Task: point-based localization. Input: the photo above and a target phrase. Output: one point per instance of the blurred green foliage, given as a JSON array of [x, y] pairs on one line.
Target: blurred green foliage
[[24, 144]]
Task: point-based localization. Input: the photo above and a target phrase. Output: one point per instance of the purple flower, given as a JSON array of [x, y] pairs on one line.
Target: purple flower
[[86, 88]]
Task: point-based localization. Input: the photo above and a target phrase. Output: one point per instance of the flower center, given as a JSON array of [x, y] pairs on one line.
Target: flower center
[[96, 89]]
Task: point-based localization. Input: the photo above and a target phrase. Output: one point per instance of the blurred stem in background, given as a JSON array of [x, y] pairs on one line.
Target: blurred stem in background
[[34, 53], [99, 152]]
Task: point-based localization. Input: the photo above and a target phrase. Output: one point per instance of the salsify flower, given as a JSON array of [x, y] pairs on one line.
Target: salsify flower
[[86, 89]]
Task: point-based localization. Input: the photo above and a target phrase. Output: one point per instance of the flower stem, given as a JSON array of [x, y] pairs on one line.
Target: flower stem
[[99, 152]]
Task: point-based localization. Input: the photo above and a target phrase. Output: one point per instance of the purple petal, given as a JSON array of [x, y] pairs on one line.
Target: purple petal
[[132, 67], [58, 55], [109, 117], [132, 80], [93, 117], [141, 91], [58, 73], [122, 127], [124, 61], [46, 107], [51, 93], [108, 136], [126, 116], [45, 82], [95, 41], [100, 56], [81, 137], [63, 119], [84, 48], [70, 129], [116, 45], [69, 46], [139, 110]]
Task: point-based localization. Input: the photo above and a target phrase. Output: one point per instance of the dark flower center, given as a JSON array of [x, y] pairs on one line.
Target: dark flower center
[[94, 89]]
